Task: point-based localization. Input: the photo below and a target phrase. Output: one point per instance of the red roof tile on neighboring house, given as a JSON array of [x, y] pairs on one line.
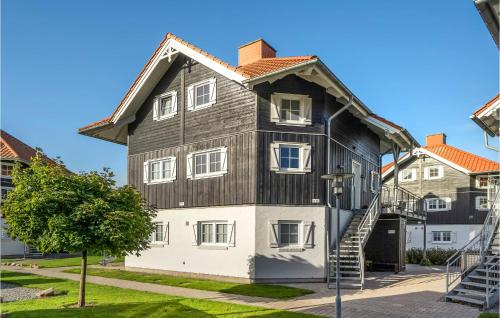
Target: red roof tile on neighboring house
[[269, 65], [387, 167], [488, 104], [13, 148]]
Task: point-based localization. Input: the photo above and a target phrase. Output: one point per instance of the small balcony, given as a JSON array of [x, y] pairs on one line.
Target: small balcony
[[398, 200]]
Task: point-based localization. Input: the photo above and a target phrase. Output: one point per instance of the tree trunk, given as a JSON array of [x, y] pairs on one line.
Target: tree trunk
[[83, 276]]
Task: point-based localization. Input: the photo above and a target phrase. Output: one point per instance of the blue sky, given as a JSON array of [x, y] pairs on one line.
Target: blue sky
[[424, 64]]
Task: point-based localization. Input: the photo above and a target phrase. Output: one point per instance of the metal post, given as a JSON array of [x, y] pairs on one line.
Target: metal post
[[425, 239], [338, 309]]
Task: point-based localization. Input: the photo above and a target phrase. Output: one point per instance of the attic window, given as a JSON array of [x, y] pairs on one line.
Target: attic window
[[165, 106], [202, 94], [291, 109]]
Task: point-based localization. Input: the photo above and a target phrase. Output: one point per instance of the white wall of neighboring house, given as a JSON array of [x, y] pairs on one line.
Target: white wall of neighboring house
[[461, 235], [9, 247]]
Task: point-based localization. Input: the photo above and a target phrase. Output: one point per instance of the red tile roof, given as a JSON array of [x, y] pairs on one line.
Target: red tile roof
[[488, 104], [464, 159], [13, 148], [96, 124], [269, 65]]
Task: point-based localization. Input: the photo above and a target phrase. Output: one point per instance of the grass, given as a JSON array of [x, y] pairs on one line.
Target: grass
[[258, 290], [59, 262], [488, 315], [122, 303]]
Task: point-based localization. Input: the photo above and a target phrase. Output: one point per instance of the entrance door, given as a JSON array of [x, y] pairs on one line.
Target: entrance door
[[356, 185]]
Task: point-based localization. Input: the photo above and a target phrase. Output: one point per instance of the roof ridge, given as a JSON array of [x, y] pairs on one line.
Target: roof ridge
[[463, 151]]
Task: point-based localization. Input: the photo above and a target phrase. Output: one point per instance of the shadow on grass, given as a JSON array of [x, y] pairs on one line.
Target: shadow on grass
[[267, 291], [29, 280]]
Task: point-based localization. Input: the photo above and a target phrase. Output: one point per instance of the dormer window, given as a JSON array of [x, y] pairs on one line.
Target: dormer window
[[165, 106], [202, 94], [291, 109]]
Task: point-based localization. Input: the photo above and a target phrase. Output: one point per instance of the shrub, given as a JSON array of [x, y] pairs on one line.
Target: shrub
[[435, 256], [414, 255]]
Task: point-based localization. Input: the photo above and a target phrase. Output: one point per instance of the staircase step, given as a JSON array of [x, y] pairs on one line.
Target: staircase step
[[470, 291], [350, 272], [482, 270], [347, 278], [466, 299], [474, 284], [477, 277]]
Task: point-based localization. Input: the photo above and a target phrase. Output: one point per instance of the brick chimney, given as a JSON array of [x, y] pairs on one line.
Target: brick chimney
[[435, 140], [254, 51]]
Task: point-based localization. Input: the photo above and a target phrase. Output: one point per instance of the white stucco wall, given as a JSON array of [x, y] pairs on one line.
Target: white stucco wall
[[8, 246], [182, 256], [462, 233]]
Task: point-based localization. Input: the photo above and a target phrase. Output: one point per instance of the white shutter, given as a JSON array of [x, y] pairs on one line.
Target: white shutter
[[156, 108], [274, 157], [173, 172], [166, 234], [223, 158], [273, 234], [174, 102], [307, 110], [413, 174], [196, 240], [213, 90], [448, 203], [146, 172], [190, 97], [453, 237], [275, 113], [308, 234], [306, 158], [426, 173], [231, 229], [441, 171], [189, 166]]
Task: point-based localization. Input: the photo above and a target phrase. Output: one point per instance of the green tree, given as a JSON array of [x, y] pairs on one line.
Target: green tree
[[55, 210]]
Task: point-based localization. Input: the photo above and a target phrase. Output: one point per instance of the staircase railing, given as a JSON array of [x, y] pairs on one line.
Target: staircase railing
[[492, 278], [365, 227], [473, 253], [399, 198]]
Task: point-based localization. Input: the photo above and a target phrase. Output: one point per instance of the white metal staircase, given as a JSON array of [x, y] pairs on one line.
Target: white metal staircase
[[473, 272], [351, 258]]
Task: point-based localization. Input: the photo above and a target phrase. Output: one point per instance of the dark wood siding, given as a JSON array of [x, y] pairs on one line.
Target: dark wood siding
[[455, 184]]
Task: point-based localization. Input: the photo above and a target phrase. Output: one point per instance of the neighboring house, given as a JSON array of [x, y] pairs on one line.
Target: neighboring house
[[489, 9], [12, 151], [232, 157], [454, 185], [488, 118]]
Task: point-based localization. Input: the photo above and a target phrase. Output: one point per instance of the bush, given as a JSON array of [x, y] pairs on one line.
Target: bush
[[435, 256]]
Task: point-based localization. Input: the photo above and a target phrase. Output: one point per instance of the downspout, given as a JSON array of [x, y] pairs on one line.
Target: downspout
[[486, 143]]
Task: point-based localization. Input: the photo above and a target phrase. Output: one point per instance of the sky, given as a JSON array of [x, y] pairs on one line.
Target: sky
[[426, 65]]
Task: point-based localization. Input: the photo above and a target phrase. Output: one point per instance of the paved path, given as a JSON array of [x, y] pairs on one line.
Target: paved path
[[415, 293]]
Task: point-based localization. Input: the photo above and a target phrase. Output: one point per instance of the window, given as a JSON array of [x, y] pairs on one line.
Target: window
[[290, 157], [433, 172], [214, 233], [210, 163], [407, 175], [4, 192], [7, 170], [289, 233], [441, 236], [160, 233], [160, 170], [202, 94], [438, 204], [482, 203], [374, 181], [165, 106], [482, 182], [291, 109]]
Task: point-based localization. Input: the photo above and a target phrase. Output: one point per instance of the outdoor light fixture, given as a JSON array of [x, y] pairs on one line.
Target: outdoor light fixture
[[337, 184]]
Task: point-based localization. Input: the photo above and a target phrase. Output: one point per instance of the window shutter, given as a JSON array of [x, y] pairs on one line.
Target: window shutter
[[190, 97], [441, 171], [413, 174], [274, 157], [146, 172], [308, 234], [273, 234], [306, 158], [156, 108], [231, 229], [213, 90], [189, 166], [173, 172], [196, 240], [453, 237], [166, 234], [275, 112], [448, 203], [307, 110], [174, 102], [223, 158], [426, 173], [429, 237]]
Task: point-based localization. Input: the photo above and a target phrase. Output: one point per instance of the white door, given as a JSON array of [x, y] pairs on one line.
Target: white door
[[356, 185]]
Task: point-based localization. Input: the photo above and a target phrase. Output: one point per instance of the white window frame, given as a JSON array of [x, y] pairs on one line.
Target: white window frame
[[447, 202], [305, 107], [214, 232], [305, 157], [191, 163], [441, 237], [374, 181], [478, 203], [157, 106], [2, 199], [427, 172], [404, 171], [148, 173], [7, 164], [478, 182], [299, 234], [212, 92], [164, 233]]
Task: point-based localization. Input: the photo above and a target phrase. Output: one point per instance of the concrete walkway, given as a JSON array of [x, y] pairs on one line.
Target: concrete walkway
[[415, 293]]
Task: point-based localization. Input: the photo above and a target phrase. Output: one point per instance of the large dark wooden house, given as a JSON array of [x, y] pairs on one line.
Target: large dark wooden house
[[232, 157]]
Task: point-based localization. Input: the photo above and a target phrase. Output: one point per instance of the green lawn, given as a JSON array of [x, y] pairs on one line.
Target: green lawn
[[105, 301], [259, 290], [59, 262], [488, 315]]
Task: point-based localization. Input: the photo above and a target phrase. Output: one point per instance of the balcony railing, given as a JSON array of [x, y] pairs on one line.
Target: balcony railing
[[396, 199]]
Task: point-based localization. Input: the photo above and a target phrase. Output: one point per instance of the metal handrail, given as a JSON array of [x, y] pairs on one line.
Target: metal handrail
[[473, 253], [367, 223], [489, 266], [400, 198]]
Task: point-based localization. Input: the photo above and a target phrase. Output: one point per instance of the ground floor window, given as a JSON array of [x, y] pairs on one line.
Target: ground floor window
[[482, 203], [160, 232], [289, 233], [441, 237], [214, 233], [438, 204]]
